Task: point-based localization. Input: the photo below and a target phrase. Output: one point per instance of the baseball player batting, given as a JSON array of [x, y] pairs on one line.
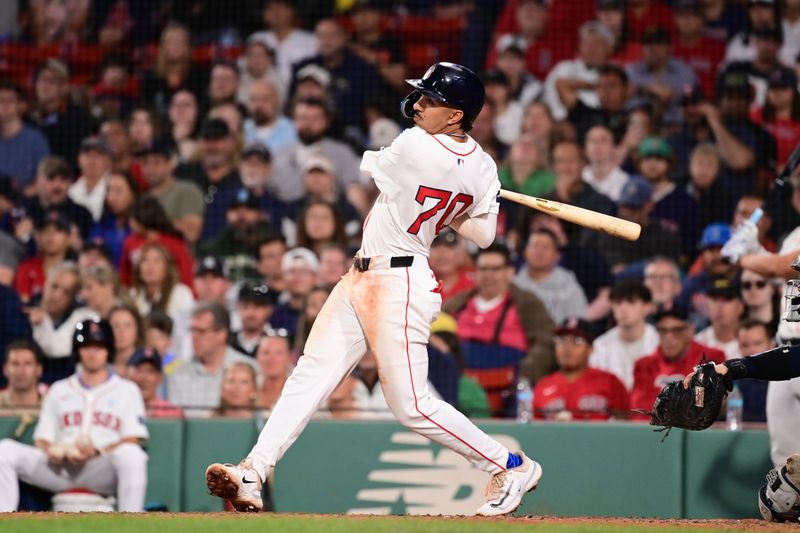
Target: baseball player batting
[[433, 175], [89, 432]]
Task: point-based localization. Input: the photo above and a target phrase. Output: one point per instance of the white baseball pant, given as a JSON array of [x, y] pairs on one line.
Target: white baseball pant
[[391, 309], [122, 472]]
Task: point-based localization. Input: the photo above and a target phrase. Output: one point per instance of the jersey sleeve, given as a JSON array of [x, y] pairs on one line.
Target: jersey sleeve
[[47, 427], [133, 417], [489, 203], [386, 165]]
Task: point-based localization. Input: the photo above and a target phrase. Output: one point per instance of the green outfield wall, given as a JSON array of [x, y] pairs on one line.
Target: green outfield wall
[[381, 468]]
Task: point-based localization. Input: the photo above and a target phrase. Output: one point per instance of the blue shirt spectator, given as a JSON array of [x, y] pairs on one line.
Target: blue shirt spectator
[[21, 146]]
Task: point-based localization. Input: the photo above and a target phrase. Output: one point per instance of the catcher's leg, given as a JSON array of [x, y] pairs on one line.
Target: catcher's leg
[[779, 499]]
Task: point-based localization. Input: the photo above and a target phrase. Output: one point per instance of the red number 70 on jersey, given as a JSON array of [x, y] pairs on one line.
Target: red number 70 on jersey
[[442, 197]]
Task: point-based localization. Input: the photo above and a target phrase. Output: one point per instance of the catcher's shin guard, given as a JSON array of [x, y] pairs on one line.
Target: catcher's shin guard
[[779, 499]]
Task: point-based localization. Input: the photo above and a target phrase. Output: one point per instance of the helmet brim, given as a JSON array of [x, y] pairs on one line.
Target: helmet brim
[[419, 85]]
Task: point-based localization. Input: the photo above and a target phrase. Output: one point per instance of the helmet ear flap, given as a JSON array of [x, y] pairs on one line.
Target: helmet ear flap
[[407, 105]]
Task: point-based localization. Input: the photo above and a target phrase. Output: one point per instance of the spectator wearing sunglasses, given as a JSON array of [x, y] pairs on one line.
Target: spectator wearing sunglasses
[[761, 300]]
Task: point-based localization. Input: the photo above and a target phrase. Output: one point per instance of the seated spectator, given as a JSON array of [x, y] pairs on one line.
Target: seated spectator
[[232, 115], [694, 46], [106, 458], [158, 337], [156, 284], [657, 237], [62, 122], [315, 299], [754, 337], [197, 383], [612, 94], [173, 69], [372, 43], [94, 162], [144, 128], [257, 65], [270, 261], [644, 14], [237, 242], [524, 86], [274, 356], [556, 287], [94, 254], [659, 77], [671, 203], [15, 324], [319, 224], [526, 169], [101, 290], [602, 170], [725, 310], [579, 75], [447, 263], [22, 368], [695, 287], [538, 121], [145, 369], [214, 172], [53, 240], [182, 201], [114, 224], [575, 391], [53, 321], [255, 169], [780, 114], [184, 120], [319, 183], [333, 264], [505, 331], [149, 224], [22, 147], [211, 281], [239, 391], [368, 399], [117, 88], [761, 299], [53, 178], [290, 43], [254, 306], [663, 278], [128, 328], [508, 113], [618, 349], [568, 163], [766, 41], [267, 125], [677, 355], [723, 19], [714, 193], [300, 268], [114, 132], [760, 13], [223, 84], [312, 119]]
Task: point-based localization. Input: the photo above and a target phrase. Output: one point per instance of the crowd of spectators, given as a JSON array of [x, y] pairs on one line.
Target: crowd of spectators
[[190, 174]]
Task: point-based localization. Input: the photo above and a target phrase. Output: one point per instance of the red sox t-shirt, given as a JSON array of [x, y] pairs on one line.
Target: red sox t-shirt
[[595, 395]]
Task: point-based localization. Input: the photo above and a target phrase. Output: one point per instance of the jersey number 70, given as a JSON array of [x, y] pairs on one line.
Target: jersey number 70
[[443, 202]]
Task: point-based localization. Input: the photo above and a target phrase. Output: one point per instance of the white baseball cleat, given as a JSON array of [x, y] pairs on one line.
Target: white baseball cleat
[[239, 484], [506, 489]]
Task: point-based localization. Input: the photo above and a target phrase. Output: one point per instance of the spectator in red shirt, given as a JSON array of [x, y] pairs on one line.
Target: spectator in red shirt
[[691, 44], [576, 391], [677, 355], [149, 223], [52, 238], [642, 14], [446, 261], [146, 370], [781, 113]]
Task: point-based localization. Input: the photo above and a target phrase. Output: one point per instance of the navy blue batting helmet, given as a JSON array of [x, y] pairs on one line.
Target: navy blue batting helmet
[[454, 85], [94, 332]]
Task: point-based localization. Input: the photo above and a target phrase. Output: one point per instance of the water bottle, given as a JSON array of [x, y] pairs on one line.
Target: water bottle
[[524, 401], [735, 407]]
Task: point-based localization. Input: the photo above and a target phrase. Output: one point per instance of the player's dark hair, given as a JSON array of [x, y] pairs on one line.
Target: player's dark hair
[[614, 70], [221, 317], [25, 344], [548, 233], [630, 290], [496, 248]]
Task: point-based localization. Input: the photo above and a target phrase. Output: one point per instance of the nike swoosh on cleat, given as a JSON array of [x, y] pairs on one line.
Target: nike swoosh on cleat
[[245, 480]]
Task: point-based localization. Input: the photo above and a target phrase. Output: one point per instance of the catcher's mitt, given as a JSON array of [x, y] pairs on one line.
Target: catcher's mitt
[[694, 408]]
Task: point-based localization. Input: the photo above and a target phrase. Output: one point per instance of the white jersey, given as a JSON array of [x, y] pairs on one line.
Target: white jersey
[[612, 354], [103, 414], [425, 181], [789, 330]]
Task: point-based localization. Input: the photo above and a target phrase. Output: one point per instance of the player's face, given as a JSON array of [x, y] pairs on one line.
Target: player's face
[[434, 117], [21, 370], [253, 316], [675, 335], [754, 340], [724, 311], [125, 329], [572, 352], [238, 388], [93, 357], [274, 357], [628, 313]]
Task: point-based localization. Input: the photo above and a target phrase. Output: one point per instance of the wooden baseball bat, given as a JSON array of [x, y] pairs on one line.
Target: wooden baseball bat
[[587, 218]]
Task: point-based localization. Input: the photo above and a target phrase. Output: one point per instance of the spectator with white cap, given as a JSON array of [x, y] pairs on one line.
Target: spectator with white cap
[[300, 268], [312, 81]]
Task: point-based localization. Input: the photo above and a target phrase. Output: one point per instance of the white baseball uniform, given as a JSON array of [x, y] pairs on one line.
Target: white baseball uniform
[[425, 181], [72, 412]]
